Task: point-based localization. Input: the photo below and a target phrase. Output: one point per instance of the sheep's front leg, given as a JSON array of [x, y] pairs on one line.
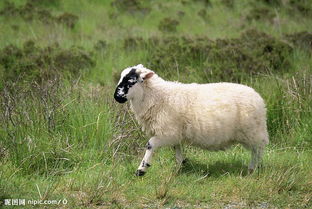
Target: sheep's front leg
[[153, 144]]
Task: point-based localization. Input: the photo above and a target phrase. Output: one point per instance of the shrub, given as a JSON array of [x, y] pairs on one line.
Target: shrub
[[252, 53], [131, 6], [301, 39], [260, 14], [67, 19], [31, 62], [31, 11], [168, 25]]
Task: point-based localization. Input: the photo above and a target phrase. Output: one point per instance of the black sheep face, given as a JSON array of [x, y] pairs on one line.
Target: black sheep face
[[125, 83]]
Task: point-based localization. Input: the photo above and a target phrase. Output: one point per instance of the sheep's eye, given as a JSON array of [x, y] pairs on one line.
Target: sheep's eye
[[132, 80]]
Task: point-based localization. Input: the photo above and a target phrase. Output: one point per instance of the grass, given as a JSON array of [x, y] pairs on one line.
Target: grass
[[62, 136], [208, 179]]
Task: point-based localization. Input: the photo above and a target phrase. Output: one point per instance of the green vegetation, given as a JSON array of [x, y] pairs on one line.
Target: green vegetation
[[62, 136]]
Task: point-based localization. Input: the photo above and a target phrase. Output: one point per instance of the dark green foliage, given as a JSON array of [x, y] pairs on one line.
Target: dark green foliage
[[46, 3], [273, 54], [32, 62], [100, 45], [9, 9], [228, 3], [31, 11], [203, 14], [131, 6], [301, 7], [181, 14], [28, 12], [131, 43], [205, 2], [73, 60], [67, 19], [304, 7], [252, 53], [301, 39], [168, 24], [273, 2], [261, 14]]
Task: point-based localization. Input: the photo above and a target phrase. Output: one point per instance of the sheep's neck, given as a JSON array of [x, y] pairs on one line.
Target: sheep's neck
[[152, 96]]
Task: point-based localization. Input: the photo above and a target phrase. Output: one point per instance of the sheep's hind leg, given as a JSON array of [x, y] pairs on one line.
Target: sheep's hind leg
[[179, 155], [153, 144], [256, 155]]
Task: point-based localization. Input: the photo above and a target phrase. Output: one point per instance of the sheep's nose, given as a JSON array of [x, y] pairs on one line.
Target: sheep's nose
[[119, 98]]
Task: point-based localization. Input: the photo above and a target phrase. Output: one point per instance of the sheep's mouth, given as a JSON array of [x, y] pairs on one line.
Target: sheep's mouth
[[120, 99]]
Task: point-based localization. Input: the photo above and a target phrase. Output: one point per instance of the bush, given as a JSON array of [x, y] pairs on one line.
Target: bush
[[253, 52], [168, 25], [32, 11], [302, 40], [31, 62], [67, 19], [131, 6], [261, 14]]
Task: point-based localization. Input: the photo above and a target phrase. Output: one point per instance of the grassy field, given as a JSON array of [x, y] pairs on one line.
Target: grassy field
[[63, 137]]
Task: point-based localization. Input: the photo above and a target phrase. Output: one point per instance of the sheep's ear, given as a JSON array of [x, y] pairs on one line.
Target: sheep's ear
[[147, 75]]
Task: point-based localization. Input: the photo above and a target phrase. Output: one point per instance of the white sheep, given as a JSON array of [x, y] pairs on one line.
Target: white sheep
[[212, 116]]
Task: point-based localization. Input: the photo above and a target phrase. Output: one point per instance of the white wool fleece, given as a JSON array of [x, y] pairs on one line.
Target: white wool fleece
[[212, 116]]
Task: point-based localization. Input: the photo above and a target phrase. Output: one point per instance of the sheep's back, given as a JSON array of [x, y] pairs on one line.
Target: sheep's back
[[218, 114]]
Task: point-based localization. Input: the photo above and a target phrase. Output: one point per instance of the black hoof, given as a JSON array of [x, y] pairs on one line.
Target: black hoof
[[184, 161], [140, 173], [250, 170]]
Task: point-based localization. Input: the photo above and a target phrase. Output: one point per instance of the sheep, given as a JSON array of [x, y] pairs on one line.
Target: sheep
[[212, 116]]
